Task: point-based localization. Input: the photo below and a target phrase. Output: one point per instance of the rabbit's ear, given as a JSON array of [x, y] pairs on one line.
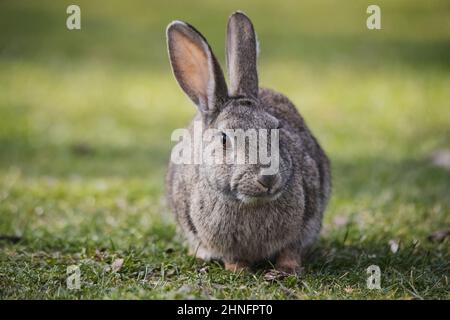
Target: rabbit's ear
[[195, 67], [241, 48]]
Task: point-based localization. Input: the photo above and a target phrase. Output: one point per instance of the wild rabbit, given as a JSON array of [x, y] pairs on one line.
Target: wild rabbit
[[236, 212]]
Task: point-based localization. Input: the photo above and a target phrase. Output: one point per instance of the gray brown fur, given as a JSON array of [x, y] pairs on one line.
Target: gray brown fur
[[213, 205]]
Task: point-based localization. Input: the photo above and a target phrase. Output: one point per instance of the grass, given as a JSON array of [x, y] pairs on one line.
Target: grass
[[85, 121]]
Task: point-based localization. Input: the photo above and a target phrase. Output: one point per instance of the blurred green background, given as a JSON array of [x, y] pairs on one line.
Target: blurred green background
[[85, 124]]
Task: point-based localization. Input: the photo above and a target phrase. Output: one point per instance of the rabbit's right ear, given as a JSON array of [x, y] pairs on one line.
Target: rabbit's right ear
[[196, 68]]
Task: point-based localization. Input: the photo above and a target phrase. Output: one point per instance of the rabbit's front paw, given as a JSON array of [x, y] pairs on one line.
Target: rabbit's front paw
[[201, 253], [289, 262], [237, 266]]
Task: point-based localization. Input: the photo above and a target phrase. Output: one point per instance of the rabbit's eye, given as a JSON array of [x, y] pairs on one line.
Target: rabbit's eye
[[224, 139], [246, 103]]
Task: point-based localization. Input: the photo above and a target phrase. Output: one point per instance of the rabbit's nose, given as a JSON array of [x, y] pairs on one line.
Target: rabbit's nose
[[267, 181]]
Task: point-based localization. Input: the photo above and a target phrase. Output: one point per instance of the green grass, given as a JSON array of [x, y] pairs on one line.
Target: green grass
[[85, 123]]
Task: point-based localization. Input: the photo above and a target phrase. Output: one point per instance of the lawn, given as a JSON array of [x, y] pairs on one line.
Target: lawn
[[85, 124]]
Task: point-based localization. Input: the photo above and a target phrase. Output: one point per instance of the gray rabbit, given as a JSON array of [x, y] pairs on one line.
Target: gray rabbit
[[234, 212]]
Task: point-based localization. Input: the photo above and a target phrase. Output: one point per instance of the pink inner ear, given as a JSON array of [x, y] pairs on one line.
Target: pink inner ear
[[192, 63]]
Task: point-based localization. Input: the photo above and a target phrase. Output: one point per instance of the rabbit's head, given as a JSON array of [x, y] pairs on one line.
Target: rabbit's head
[[234, 113]]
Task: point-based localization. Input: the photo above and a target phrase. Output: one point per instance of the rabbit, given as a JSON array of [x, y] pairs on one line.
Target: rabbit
[[232, 212]]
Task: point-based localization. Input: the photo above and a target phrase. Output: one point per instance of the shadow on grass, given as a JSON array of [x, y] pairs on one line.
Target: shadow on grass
[[334, 257], [411, 180], [85, 161]]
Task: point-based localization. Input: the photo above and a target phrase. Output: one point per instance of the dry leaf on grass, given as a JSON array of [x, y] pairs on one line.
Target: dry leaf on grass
[[204, 269], [273, 275], [441, 158], [341, 221], [439, 236], [394, 245], [116, 265], [348, 289]]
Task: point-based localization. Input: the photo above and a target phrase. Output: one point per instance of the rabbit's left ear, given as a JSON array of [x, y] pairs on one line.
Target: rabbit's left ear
[[241, 54]]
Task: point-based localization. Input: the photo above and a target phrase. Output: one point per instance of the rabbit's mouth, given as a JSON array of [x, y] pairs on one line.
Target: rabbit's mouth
[[258, 198], [256, 189]]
